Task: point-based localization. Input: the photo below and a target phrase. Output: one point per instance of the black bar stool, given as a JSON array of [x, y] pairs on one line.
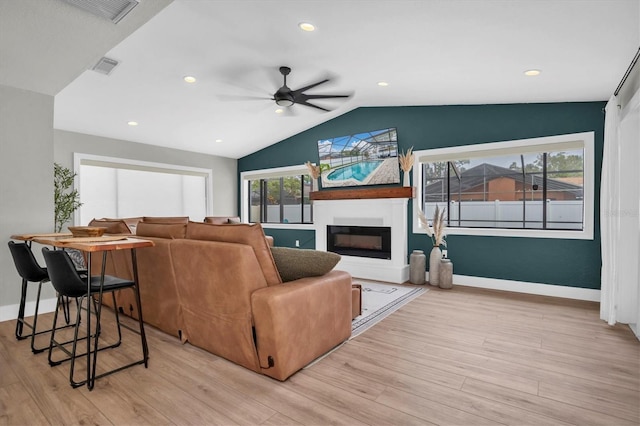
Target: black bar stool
[[68, 283], [30, 271]]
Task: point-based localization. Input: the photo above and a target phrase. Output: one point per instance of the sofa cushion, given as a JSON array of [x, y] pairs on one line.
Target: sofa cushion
[[241, 233], [295, 263], [132, 222], [167, 219], [114, 226], [221, 220], [162, 230]]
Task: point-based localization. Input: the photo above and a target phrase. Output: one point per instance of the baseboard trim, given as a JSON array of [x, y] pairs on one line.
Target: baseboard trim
[[10, 312], [562, 291]]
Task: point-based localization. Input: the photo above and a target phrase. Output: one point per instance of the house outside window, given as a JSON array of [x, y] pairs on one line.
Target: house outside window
[[540, 187]]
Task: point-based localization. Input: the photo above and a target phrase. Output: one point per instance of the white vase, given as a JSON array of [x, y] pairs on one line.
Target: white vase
[[434, 265], [407, 180]]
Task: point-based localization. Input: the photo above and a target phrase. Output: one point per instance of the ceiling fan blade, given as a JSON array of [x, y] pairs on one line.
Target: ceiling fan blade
[[325, 96], [242, 98], [305, 103], [311, 86]]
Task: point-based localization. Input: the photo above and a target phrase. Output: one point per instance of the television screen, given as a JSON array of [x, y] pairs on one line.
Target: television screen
[[367, 158]]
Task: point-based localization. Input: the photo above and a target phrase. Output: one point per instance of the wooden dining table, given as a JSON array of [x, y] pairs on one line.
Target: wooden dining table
[[91, 245]]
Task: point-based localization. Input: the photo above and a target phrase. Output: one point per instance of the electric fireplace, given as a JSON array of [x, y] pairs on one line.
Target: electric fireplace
[[360, 241]]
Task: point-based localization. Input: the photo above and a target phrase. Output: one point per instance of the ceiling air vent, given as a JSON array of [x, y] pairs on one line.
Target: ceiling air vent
[[113, 10], [105, 65]]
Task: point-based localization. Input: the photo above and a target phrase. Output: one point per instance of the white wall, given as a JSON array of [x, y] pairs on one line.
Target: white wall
[[26, 180], [224, 170]]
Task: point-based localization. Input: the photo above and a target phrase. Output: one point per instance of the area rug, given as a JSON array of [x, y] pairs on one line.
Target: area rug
[[380, 300]]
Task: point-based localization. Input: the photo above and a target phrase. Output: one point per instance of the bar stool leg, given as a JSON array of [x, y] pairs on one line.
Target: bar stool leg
[[75, 384], [136, 289], [35, 323], [20, 322]]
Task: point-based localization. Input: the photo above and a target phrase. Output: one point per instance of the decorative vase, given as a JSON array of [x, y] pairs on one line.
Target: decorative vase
[[407, 180], [315, 185], [434, 265], [417, 267], [446, 274]]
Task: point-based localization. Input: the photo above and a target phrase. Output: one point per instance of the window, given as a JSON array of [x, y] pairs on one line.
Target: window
[[113, 187], [512, 188], [277, 196]]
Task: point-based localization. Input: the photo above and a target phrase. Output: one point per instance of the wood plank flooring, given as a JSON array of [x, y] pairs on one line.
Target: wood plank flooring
[[451, 357]]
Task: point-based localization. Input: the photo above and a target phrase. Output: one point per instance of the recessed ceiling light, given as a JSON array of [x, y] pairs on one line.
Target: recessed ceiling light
[[306, 26], [132, 123], [279, 111], [383, 84], [189, 79], [532, 73], [218, 140]]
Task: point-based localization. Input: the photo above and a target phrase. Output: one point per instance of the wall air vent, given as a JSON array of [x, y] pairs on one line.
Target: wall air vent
[[105, 65], [113, 10]]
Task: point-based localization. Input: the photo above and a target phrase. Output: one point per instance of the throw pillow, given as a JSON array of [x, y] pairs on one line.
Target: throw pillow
[[295, 263]]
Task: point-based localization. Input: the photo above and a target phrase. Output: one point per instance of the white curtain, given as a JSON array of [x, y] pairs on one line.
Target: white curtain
[[619, 214], [609, 223]]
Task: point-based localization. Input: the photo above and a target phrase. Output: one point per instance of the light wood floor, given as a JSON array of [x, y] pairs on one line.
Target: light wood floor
[[459, 357]]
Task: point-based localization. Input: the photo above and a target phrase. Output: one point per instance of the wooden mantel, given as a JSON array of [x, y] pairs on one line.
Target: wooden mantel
[[364, 193]]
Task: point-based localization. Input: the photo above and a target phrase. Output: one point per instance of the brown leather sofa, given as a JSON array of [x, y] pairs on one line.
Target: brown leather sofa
[[217, 287]]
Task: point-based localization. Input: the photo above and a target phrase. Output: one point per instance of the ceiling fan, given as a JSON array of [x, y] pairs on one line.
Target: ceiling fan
[[287, 97]]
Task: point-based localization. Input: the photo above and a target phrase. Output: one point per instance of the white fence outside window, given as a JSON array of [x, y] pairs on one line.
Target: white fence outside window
[[508, 214]]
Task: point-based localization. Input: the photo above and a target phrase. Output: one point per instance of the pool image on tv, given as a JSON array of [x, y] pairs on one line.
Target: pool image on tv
[[367, 158]]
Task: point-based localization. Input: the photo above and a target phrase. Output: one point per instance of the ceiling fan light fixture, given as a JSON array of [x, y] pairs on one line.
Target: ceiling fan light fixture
[[284, 102]]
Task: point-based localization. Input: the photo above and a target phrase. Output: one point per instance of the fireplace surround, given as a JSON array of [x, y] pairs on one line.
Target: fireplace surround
[[375, 212]]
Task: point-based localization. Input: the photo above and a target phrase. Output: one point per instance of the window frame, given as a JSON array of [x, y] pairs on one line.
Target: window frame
[[127, 163], [583, 140], [276, 172]]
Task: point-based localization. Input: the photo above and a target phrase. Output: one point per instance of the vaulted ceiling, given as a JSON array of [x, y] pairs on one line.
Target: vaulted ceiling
[[430, 52]]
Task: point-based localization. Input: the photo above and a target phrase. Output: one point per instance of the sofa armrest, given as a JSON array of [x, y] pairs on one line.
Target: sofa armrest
[[298, 321]]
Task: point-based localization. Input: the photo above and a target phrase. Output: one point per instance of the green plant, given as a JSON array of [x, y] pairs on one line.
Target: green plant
[[65, 201]]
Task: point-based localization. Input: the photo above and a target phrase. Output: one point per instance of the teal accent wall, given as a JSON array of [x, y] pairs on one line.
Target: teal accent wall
[[574, 263], [287, 237]]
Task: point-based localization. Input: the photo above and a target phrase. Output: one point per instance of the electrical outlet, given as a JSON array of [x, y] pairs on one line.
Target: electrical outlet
[[297, 243], [444, 253]]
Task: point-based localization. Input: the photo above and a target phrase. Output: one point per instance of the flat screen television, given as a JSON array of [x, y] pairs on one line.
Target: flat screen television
[[367, 158]]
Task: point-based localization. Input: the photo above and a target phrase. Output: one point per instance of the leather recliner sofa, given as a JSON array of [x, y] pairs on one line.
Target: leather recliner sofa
[[217, 287]]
